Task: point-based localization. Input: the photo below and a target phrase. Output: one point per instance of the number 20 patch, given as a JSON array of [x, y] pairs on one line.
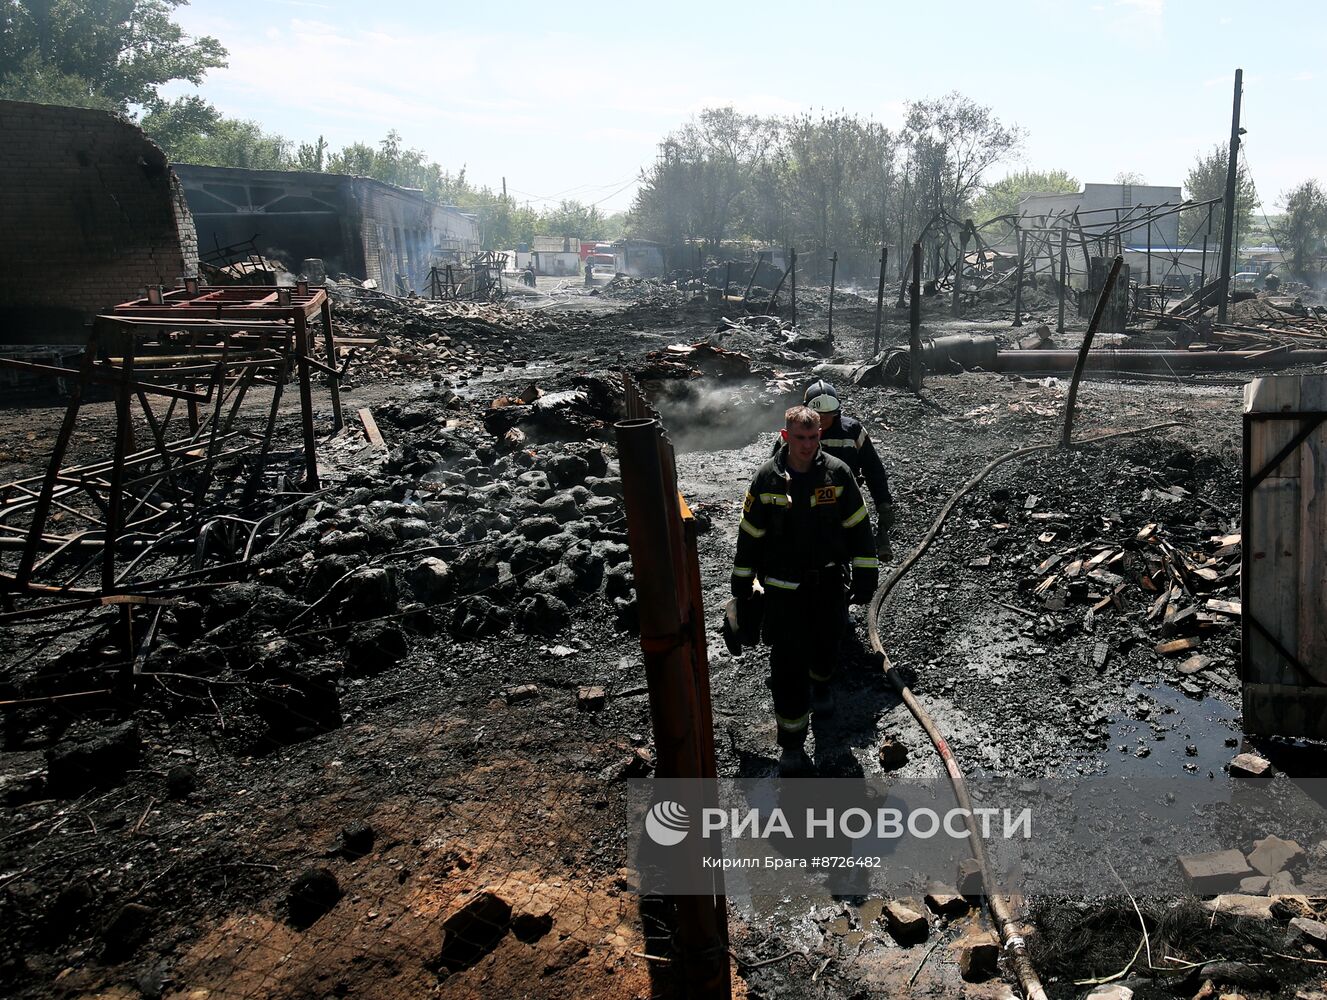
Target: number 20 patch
[[825, 494]]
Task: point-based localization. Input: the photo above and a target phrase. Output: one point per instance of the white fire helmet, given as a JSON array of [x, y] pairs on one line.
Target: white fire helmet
[[821, 397]]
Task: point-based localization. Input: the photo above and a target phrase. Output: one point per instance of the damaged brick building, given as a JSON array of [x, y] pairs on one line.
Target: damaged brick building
[[92, 215], [356, 225]]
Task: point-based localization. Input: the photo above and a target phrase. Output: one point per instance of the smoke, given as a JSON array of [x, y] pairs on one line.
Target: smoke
[[718, 418]]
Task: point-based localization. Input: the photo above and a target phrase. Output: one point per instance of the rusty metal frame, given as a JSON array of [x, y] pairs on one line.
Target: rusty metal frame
[[206, 347]]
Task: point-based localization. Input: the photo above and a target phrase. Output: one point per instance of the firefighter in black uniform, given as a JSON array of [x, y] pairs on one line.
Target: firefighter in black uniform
[[804, 526], [846, 439]]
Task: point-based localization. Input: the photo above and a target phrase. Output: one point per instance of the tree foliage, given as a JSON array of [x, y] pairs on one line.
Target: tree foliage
[[113, 53], [1303, 231], [958, 141], [1206, 180], [1002, 197], [818, 181]]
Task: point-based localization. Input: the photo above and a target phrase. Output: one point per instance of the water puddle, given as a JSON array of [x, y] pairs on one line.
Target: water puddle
[[1161, 731]]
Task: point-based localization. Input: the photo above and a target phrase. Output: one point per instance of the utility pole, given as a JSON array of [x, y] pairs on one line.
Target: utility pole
[[1228, 230]]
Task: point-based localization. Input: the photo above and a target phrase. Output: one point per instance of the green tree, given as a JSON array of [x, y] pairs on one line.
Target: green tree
[[1207, 180], [1002, 196], [312, 155], [1303, 233], [956, 140], [119, 51], [232, 142], [42, 83], [571, 218], [394, 163], [824, 156], [171, 124]]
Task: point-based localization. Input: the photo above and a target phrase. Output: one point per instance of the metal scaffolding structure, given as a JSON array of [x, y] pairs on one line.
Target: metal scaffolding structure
[[192, 497]]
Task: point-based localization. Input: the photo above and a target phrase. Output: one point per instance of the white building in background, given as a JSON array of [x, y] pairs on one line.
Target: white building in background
[[1099, 205]]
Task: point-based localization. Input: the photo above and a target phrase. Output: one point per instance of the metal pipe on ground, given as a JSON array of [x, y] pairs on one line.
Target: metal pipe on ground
[[1164, 362]]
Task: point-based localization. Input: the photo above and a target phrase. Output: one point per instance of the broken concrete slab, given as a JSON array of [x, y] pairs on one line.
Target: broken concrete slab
[[1241, 905], [906, 921], [945, 900], [1214, 871], [523, 692], [1250, 765], [979, 957], [1254, 885], [1272, 854], [590, 698], [1282, 884], [1305, 930]]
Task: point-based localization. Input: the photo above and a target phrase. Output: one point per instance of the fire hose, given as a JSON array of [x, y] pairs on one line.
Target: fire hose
[[1001, 911]]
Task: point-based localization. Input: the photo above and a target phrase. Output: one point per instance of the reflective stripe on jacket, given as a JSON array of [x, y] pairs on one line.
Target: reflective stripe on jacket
[[792, 525]]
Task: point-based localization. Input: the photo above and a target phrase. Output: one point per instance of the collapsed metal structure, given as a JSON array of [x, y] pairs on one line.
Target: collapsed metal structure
[[479, 279], [1007, 250], [188, 503]]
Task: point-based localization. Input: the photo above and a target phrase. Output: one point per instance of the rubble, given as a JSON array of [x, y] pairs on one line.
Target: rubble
[[1250, 765], [469, 567]]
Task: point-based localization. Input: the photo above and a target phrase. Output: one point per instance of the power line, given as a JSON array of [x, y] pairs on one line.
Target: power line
[[578, 187]]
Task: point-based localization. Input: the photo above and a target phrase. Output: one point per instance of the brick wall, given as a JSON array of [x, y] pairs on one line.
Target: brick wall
[[92, 213]]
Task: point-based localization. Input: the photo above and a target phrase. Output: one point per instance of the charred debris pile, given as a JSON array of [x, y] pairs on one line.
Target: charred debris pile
[[1096, 569], [448, 530]]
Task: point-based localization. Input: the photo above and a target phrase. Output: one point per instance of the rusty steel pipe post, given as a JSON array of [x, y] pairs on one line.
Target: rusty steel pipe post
[[957, 306], [306, 402], [880, 299], [792, 270], [1202, 274], [123, 436], [1087, 346], [833, 276], [915, 322], [1018, 278], [333, 380], [46, 497], [1064, 276], [668, 599]]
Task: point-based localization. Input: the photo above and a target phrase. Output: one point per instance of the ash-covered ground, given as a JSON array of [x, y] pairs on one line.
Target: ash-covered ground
[[367, 768]]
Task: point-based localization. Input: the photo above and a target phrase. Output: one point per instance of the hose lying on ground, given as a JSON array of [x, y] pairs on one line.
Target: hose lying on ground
[[1000, 910]]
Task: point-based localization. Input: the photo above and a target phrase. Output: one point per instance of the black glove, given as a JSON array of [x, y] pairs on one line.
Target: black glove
[[750, 615], [864, 582], [730, 629], [886, 513], [740, 587], [882, 547], [741, 622]]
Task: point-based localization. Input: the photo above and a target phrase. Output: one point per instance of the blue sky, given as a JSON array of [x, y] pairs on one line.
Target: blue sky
[[570, 99]]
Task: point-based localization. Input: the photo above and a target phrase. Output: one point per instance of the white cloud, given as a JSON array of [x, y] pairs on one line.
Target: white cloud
[[1138, 23]]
